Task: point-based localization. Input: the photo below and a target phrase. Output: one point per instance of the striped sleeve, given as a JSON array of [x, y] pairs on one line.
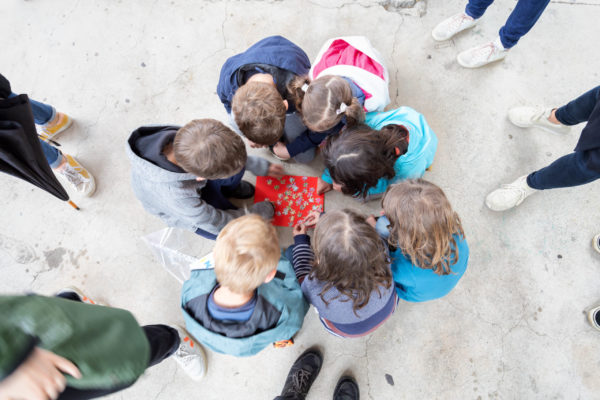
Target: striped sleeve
[[302, 256]]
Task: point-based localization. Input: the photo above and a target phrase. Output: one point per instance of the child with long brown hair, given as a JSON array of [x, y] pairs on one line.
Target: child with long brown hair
[[432, 250], [348, 78], [365, 159], [346, 274]]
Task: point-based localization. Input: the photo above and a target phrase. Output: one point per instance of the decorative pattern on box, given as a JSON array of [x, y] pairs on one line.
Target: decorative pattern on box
[[293, 196]]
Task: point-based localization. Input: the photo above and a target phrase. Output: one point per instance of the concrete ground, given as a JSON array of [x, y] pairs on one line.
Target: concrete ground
[[514, 327]]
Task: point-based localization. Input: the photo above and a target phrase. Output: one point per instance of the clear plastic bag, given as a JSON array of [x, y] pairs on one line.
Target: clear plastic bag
[[177, 250]]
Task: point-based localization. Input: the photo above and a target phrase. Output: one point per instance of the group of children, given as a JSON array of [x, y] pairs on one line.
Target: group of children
[[246, 295]]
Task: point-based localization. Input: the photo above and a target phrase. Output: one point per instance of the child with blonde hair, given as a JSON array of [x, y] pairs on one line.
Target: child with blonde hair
[[346, 274], [347, 78], [244, 296], [432, 252]]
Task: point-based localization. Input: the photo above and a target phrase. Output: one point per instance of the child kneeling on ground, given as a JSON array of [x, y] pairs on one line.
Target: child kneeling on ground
[[250, 299], [346, 275], [185, 175], [432, 252]]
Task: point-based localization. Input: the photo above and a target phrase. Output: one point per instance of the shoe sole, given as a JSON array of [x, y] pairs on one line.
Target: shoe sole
[[450, 37], [478, 66], [542, 127], [81, 295], [199, 346]]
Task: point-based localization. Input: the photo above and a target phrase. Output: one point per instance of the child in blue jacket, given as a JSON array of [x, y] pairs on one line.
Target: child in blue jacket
[[432, 252], [365, 159]]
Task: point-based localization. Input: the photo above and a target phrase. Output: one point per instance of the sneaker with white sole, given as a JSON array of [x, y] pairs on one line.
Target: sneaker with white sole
[[77, 176], [60, 123], [453, 25], [72, 291], [190, 356], [527, 117], [596, 243], [482, 55], [510, 195], [594, 317]]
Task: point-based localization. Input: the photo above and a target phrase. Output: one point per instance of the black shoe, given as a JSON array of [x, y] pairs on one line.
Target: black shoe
[[302, 374], [244, 190], [346, 389]]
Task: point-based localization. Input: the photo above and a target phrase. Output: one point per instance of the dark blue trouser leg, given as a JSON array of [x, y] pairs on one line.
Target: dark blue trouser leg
[[476, 8], [580, 109], [567, 171], [521, 20]]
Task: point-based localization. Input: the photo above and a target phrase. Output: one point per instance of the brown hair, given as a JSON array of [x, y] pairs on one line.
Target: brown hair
[[209, 149], [320, 104], [423, 224], [245, 252], [259, 112], [350, 256], [359, 156]]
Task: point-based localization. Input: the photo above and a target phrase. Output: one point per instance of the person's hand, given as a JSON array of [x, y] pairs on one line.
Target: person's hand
[[300, 229], [312, 218], [337, 187], [371, 220], [323, 187], [281, 151], [40, 377], [276, 171]]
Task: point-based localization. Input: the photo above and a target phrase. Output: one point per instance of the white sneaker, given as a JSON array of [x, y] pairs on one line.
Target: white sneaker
[[527, 117], [190, 356], [482, 55], [451, 26], [77, 176], [509, 196]]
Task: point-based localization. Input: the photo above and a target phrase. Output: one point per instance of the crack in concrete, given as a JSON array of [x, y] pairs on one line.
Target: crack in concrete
[[167, 384]]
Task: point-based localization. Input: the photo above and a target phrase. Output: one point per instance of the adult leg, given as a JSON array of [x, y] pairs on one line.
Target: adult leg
[[521, 20], [580, 109], [476, 8], [42, 113], [567, 171]]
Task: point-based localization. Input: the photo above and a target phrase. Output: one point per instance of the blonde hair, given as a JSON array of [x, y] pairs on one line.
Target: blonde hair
[[259, 112], [423, 224], [209, 149], [246, 251], [350, 256], [326, 100]]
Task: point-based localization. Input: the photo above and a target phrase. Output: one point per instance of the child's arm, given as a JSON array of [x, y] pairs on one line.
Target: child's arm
[[261, 167], [302, 253]]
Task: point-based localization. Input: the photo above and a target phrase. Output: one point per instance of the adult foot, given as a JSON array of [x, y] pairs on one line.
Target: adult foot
[[527, 117], [244, 190], [190, 356], [453, 25], [346, 389], [303, 373], [60, 123], [77, 176], [74, 293], [510, 195], [482, 55]]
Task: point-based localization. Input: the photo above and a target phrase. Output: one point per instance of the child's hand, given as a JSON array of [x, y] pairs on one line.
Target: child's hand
[[371, 220], [281, 151], [300, 229], [312, 218], [276, 171], [323, 187]]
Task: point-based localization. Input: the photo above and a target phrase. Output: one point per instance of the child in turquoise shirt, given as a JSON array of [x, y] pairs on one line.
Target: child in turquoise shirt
[[432, 252]]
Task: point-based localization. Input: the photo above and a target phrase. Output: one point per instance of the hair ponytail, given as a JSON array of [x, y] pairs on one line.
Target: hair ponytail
[[297, 89], [354, 112]]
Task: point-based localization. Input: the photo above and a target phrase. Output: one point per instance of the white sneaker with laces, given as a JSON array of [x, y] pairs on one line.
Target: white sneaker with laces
[[190, 356], [527, 117], [482, 55], [76, 174], [510, 195], [453, 25]]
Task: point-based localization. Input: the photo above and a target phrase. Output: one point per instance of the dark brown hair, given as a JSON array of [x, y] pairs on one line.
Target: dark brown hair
[[209, 149], [359, 156], [350, 256], [259, 112], [423, 224], [320, 104]]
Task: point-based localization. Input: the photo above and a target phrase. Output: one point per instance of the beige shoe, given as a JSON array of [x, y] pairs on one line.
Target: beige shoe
[[190, 356], [77, 176], [482, 55], [510, 195], [527, 117], [453, 25], [60, 123]]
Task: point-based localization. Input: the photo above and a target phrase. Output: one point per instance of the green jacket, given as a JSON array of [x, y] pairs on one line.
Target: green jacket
[[107, 344]]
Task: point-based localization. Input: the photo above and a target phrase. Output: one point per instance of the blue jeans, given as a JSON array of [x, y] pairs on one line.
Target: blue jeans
[[521, 19], [43, 113], [212, 193], [572, 169]]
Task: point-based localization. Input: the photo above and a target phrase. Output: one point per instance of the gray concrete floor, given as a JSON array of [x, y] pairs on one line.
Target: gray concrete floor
[[514, 328]]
